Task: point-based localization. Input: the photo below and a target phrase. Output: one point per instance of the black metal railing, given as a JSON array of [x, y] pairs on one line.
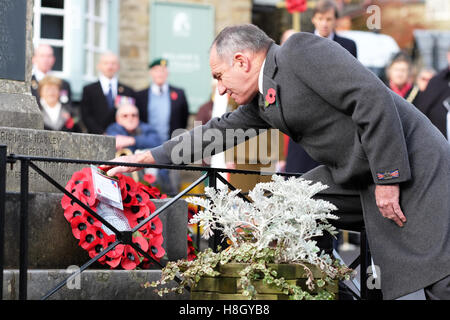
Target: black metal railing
[[122, 237]]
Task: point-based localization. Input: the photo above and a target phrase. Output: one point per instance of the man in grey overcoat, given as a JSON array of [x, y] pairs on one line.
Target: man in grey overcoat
[[380, 153]]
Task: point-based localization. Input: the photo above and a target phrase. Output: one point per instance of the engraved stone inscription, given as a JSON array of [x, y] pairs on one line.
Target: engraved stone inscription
[[52, 144]]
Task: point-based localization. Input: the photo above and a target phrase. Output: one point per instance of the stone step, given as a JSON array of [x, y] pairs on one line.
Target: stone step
[[89, 285]]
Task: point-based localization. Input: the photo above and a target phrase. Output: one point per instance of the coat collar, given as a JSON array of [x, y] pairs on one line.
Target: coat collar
[[273, 112], [270, 66]]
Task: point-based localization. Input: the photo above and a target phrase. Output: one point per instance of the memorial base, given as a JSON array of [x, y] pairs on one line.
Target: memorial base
[[90, 285]]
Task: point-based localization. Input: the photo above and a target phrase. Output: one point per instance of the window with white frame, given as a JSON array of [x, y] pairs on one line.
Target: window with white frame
[[96, 35], [50, 27], [79, 32]]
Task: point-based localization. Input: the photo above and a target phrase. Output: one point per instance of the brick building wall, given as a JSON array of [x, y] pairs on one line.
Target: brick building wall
[[134, 30]]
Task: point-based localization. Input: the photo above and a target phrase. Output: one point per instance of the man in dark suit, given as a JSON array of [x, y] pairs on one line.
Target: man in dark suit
[[43, 61], [324, 19], [98, 109], [161, 105], [382, 157], [434, 102]]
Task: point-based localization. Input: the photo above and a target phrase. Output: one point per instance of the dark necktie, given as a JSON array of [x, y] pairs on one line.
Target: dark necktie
[[109, 97]]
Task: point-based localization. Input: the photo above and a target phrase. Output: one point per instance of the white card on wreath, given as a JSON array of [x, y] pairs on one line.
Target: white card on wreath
[[106, 188]]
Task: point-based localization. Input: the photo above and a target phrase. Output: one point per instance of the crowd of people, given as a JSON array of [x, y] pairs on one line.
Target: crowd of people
[[137, 119]]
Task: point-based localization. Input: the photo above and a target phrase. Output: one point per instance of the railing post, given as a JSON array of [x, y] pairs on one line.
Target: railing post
[[3, 164], [214, 241], [23, 271], [365, 260]]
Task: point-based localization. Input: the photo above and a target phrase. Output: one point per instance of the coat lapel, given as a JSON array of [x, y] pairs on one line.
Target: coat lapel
[[272, 110]]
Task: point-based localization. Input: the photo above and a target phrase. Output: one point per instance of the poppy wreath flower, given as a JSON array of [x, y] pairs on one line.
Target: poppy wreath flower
[[73, 211], [270, 96], [156, 226], [173, 95], [156, 250], [137, 207], [153, 192], [90, 237], [130, 259]]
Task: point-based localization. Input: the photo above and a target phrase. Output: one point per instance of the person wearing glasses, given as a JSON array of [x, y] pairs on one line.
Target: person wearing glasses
[[131, 133]]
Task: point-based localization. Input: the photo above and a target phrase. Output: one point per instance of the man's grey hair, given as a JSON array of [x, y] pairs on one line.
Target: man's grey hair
[[241, 37]]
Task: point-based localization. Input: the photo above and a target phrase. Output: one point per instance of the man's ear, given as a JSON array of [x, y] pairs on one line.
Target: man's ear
[[242, 61]]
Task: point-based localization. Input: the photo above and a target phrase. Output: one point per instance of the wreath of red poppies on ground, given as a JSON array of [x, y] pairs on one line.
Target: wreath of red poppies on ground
[[136, 198]]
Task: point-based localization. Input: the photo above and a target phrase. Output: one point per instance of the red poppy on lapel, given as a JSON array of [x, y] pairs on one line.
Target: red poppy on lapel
[[173, 95], [271, 96]]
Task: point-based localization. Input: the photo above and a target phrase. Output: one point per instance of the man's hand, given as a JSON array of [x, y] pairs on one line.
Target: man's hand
[[144, 158], [388, 201]]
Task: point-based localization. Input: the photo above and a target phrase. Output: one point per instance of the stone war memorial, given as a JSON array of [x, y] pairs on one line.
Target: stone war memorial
[[52, 249]]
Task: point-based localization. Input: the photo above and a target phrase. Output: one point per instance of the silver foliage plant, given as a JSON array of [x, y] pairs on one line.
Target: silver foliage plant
[[282, 214]]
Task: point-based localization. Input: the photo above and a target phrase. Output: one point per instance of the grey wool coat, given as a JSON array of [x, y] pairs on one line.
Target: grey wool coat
[[364, 134]]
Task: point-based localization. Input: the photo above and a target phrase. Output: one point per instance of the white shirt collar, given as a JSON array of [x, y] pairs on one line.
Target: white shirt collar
[[260, 78], [447, 106], [104, 82], [38, 74], [156, 89], [330, 36]]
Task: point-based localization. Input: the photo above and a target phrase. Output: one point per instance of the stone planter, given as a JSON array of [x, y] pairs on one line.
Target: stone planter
[[227, 286]]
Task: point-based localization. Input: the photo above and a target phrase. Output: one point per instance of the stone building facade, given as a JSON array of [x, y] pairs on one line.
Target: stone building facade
[[134, 32]]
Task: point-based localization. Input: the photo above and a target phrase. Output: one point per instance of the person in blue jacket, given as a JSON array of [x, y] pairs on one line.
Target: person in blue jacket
[[130, 132]]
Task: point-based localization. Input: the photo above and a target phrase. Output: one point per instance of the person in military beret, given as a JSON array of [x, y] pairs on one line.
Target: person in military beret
[[162, 105], [165, 108], [98, 109]]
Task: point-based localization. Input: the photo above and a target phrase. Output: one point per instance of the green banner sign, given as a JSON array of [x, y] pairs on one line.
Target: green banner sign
[[182, 33]]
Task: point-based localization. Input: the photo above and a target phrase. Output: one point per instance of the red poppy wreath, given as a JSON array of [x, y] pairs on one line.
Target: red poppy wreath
[[94, 237]]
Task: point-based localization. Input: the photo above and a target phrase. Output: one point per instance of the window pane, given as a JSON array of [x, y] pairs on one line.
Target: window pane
[[87, 33], [98, 34], [58, 52], [58, 4], [96, 60], [52, 27], [98, 7], [87, 65]]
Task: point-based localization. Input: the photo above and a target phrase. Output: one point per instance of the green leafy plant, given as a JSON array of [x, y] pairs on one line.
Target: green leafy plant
[[279, 226]]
